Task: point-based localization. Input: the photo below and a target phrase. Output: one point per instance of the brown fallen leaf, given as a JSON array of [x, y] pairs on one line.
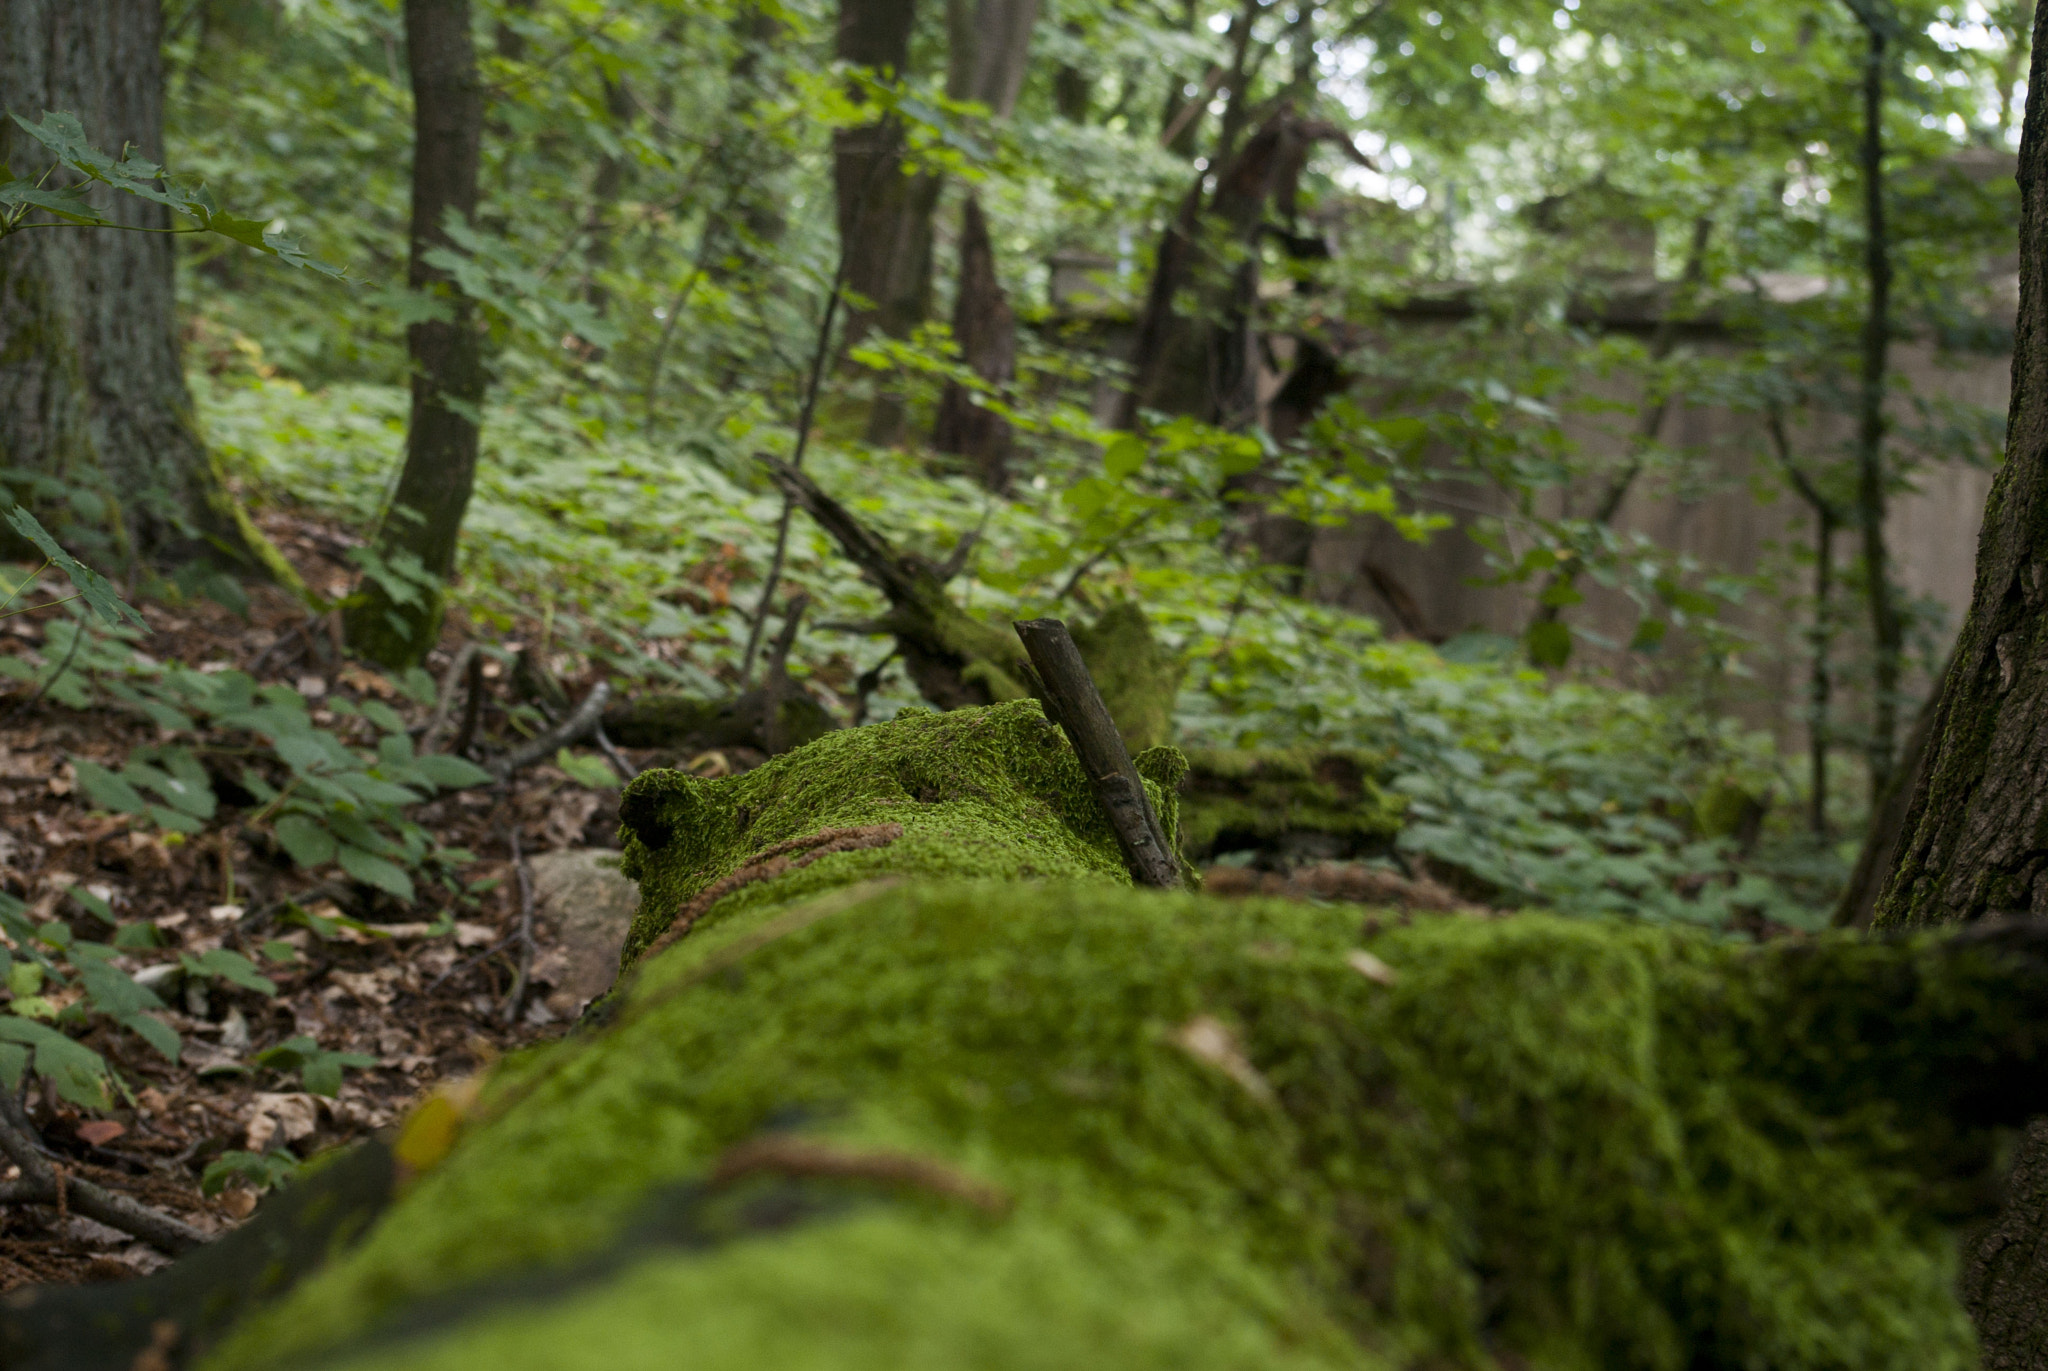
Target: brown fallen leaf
[[1371, 967], [1209, 1040], [100, 1132]]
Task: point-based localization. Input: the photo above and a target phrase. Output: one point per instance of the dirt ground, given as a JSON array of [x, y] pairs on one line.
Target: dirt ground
[[426, 1005]]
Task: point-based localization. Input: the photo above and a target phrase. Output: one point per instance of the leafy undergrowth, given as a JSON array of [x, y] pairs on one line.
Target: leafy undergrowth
[[644, 562], [208, 986]]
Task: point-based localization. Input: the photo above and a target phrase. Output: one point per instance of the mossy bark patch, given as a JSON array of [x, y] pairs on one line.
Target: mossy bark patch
[[1577, 1144], [1306, 802], [993, 792]]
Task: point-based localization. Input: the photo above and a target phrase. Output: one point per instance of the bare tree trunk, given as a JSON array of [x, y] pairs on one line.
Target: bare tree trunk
[[1975, 836], [891, 211], [607, 183], [448, 380], [1887, 632], [92, 389], [986, 331], [885, 214], [990, 42]]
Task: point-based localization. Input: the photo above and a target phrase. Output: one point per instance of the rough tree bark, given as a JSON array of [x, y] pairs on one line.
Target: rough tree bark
[[986, 330], [93, 400], [885, 213], [1976, 833], [448, 380], [1203, 365], [891, 210], [989, 43], [1887, 630]]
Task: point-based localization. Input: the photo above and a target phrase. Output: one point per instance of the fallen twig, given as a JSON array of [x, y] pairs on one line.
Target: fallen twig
[[524, 875], [627, 771], [444, 701], [77, 634], [1071, 697], [581, 721], [46, 1182]]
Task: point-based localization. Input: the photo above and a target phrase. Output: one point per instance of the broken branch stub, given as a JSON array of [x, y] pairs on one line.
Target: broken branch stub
[[1077, 707]]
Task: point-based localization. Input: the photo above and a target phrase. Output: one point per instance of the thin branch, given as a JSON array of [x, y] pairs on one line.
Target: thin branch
[[77, 636], [524, 874], [444, 701], [43, 1182], [575, 728], [819, 356]]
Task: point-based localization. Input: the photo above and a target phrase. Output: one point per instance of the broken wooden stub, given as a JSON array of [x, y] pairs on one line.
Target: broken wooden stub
[[1074, 703]]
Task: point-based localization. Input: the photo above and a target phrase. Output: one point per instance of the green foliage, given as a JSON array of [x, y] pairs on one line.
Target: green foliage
[[65, 139], [39, 962], [319, 1070], [1574, 796], [1581, 1144], [260, 1171], [326, 801]]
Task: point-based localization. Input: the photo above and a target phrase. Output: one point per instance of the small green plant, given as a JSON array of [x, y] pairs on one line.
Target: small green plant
[[65, 137], [260, 1171], [319, 1070], [324, 800]]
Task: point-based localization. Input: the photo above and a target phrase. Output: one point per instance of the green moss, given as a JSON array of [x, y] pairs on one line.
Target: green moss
[[1547, 1142], [1138, 677], [1240, 797], [992, 792], [1590, 1146]]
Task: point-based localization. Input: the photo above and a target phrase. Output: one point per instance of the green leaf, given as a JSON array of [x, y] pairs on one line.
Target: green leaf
[[309, 843], [372, 791], [301, 753], [1124, 457], [450, 773], [318, 1068], [592, 773], [322, 1074], [138, 936], [90, 903], [78, 1073], [90, 584], [153, 1031], [374, 870], [113, 992], [175, 821], [1549, 642], [261, 1170], [386, 718], [229, 966], [107, 789], [418, 685], [1649, 635]]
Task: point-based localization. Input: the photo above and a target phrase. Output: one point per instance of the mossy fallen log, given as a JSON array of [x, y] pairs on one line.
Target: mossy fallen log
[[1288, 804], [905, 1075]]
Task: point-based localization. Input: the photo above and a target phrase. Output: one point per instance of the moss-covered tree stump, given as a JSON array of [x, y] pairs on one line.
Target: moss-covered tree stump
[[905, 1075]]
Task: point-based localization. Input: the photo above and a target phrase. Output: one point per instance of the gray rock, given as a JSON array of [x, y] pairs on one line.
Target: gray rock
[[580, 893]]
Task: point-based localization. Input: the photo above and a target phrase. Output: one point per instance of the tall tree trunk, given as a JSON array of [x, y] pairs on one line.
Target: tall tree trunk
[[989, 44], [885, 214], [986, 331], [426, 510], [607, 184], [1887, 632], [1976, 833], [890, 263], [93, 401]]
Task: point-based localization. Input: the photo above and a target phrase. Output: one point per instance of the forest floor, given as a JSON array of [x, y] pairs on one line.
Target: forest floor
[[426, 1004]]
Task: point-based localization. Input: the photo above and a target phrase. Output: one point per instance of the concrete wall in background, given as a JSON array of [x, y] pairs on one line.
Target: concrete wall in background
[[1721, 524]]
